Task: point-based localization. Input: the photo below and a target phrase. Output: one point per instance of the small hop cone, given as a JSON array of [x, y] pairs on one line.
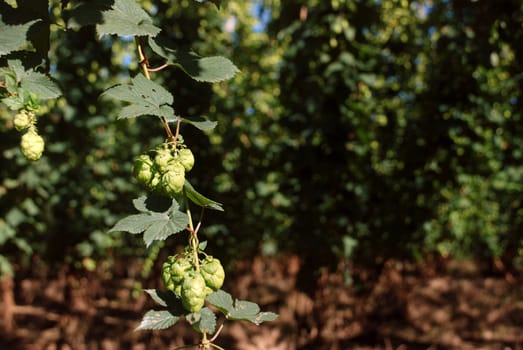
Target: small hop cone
[[32, 145], [212, 272], [173, 272], [186, 158], [173, 179], [193, 292], [23, 120], [162, 158], [143, 169]]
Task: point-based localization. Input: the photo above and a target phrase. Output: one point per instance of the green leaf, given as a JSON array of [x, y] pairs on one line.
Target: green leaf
[[209, 69], [176, 222], [200, 123], [203, 321], [222, 300], [200, 199], [153, 203], [154, 319], [126, 17], [40, 85], [137, 223], [167, 299], [139, 204], [202, 246], [30, 82], [148, 98], [14, 102], [155, 295], [86, 13], [240, 310], [12, 37], [156, 222]]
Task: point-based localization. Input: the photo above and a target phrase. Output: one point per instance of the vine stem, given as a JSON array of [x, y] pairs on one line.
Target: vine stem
[[193, 238], [144, 64], [157, 69]]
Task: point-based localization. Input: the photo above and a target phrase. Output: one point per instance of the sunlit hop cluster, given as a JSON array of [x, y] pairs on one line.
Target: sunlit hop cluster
[[31, 143], [163, 169], [192, 285]]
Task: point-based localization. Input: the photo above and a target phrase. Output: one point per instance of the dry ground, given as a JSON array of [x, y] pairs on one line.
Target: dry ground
[[399, 306]]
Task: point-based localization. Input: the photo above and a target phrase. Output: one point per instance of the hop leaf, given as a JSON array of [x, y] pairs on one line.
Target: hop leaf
[[239, 309], [126, 17], [32, 145], [12, 37], [156, 223]]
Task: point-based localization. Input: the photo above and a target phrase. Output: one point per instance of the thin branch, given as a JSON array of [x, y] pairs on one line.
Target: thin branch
[[216, 334], [157, 69]]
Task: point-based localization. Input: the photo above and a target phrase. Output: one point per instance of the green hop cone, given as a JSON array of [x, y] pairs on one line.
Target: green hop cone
[[23, 120], [143, 169], [193, 292], [173, 179], [155, 181], [186, 158], [212, 272], [173, 272], [32, 145], [162, 158]]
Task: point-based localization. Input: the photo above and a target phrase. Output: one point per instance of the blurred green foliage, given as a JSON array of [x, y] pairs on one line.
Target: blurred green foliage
[[357, 129]]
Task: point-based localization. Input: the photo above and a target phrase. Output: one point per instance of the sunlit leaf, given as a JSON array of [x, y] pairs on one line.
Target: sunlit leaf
[[126, 17], [146, 96], [154, 319], [209, 69], [200, 199], [239, 309], [12, 37]]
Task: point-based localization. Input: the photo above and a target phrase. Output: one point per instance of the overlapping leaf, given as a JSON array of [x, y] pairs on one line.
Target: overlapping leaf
[[87, 13], [200, 123], [125, 18], [155, 319], [239, 309], [33, 82], [155, 225], [200, 199], [146, 98], [168, 300], [203, 321], [208, 69], [12, 37]]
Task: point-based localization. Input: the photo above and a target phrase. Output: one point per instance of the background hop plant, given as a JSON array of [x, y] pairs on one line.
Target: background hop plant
[[32, 144]]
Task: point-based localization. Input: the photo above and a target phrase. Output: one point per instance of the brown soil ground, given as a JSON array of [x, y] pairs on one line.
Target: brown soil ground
[[400, 306]]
